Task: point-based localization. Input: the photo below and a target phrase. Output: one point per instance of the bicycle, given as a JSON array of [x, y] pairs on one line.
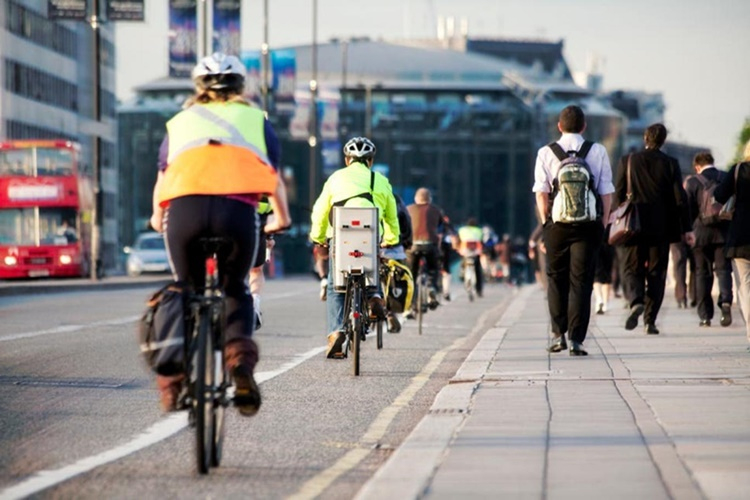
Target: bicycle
[[208, 379], [426, 293], [469, 255], [356, 228]]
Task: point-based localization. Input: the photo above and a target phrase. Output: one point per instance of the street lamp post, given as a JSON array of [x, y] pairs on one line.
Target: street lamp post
[[94, 268], [313, 132], [264, 51]]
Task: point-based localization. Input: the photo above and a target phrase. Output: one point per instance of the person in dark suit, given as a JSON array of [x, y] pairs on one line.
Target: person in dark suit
[[662, 208], [709, 245], [737, 183]]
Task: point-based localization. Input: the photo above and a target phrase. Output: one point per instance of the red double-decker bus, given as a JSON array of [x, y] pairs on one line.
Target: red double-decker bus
[[45, 210]]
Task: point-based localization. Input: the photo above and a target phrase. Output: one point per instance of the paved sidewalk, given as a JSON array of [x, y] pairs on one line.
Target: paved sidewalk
[[642, 417]]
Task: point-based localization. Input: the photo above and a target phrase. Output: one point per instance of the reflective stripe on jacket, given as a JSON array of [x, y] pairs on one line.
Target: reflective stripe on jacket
[[217, 149], [347, 184]]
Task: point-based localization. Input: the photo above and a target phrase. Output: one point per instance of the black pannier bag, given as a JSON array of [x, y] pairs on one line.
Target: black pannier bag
[[162, 329]]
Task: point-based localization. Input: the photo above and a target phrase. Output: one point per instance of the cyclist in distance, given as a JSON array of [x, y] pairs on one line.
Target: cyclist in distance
[[356, 185], [470, 237], [425, 220], [217, 160]]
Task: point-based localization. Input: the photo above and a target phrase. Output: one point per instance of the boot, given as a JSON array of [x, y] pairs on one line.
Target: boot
[[240, 358], [169, 391]]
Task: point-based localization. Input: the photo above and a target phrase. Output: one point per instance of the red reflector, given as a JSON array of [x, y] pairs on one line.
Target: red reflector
[[356, 315], [210, 265], [355, 223]]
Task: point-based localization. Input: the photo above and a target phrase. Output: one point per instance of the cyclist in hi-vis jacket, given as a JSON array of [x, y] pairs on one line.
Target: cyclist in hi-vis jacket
[[470, 246], [214, 165], [356, 185]]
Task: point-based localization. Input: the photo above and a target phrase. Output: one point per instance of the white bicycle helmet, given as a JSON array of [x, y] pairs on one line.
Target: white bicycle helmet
[[219, 71], [359, 147]]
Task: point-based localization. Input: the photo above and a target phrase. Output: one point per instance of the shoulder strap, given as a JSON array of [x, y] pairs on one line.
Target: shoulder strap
[[701, 179], [372, 180], [585, 148], [558, 150], [629, 194]]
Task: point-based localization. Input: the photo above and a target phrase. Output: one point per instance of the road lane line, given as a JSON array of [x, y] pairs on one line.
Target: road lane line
[[160, 431], [70, 328], [115, 322], [377, 430]]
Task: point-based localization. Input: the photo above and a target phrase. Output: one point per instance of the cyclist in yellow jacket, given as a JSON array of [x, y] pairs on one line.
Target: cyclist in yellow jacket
[[354, 186], [214, 166], [470, 247]]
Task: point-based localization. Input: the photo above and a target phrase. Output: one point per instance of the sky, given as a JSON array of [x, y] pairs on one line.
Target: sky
[[695, 52]]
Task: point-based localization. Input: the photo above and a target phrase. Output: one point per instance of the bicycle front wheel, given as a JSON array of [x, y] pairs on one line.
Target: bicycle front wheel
[[204, 393], [357, 326]]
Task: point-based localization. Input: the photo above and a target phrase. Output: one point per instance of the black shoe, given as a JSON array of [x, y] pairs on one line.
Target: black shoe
[[693, 304], [651, 329], [394, 326], [335, 344], [447, 297], [246, 395], [558, 344], [600, 309], [576, 349], [635, 313], [705, 322], [726, 315]]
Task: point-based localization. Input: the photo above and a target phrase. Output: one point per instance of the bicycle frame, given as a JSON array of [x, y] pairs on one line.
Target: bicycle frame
[[356, 320]]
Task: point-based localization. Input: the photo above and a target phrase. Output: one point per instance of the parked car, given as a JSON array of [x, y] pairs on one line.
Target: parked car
[[147, 255]]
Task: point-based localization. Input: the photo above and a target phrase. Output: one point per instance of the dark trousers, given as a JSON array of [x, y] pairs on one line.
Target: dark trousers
[[431, 255], [710, 259], [644, 275], [571, 262], [682, 258], [193, 217]]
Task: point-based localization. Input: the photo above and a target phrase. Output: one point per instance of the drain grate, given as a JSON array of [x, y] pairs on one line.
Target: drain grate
[[76, 383]]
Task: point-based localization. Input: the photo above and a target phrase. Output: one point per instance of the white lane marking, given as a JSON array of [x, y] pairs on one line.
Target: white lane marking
[[70, 328], [116, 321], [160, 431], [316, 485]]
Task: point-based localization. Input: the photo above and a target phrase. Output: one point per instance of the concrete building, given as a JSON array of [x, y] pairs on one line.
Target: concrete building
[[46, 70]]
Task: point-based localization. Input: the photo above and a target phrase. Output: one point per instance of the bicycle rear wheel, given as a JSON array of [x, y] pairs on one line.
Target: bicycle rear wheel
[[357, 323], [221, 381], [204, 393], [421, 300], [380, 334]]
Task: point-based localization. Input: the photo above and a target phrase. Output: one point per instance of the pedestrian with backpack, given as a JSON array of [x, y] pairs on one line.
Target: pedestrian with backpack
[[655, 188], [710, 235], [573, 187]]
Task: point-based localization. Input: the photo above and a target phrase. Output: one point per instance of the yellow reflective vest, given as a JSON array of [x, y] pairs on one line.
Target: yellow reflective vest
[[217, 149]]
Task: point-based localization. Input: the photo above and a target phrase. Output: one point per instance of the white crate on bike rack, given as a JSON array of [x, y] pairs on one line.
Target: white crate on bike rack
[[356, 238]]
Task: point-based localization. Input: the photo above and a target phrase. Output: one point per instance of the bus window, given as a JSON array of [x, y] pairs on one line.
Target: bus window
[[17, 226], [54, 161]]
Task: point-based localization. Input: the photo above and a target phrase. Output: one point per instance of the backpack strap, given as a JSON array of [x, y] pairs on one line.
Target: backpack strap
[[585, 148], [558, 150], [372, 181], [561, 154]]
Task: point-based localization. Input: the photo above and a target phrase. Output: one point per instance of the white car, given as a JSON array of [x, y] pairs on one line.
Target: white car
[[147, 255]]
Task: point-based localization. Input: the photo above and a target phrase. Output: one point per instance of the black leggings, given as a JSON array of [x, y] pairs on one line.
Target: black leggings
[[193, 217]]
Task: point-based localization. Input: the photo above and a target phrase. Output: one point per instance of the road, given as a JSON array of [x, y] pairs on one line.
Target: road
[[79, 415]]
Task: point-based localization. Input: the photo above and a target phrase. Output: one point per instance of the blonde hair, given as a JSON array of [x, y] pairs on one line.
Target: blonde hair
[[746, 152], [206, 96]]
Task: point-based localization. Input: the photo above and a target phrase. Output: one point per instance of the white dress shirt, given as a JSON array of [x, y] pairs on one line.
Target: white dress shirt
[[547, 165]]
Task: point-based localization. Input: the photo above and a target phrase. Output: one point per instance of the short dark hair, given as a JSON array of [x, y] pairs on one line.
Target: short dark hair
[[655, 135], [572, 119], [703, 158]]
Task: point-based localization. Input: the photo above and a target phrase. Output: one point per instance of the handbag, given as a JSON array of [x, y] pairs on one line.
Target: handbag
[[624, 221], [727, 210]]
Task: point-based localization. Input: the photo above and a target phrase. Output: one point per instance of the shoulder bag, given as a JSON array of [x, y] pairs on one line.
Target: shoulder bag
[[624, 221]]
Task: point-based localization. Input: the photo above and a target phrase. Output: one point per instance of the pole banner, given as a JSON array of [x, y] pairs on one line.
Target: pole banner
[[125, 10], [183, 37], [70, 10], [226, 33]]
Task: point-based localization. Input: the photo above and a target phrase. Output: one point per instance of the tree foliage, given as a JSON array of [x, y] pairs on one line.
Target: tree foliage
[[742, 139]]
